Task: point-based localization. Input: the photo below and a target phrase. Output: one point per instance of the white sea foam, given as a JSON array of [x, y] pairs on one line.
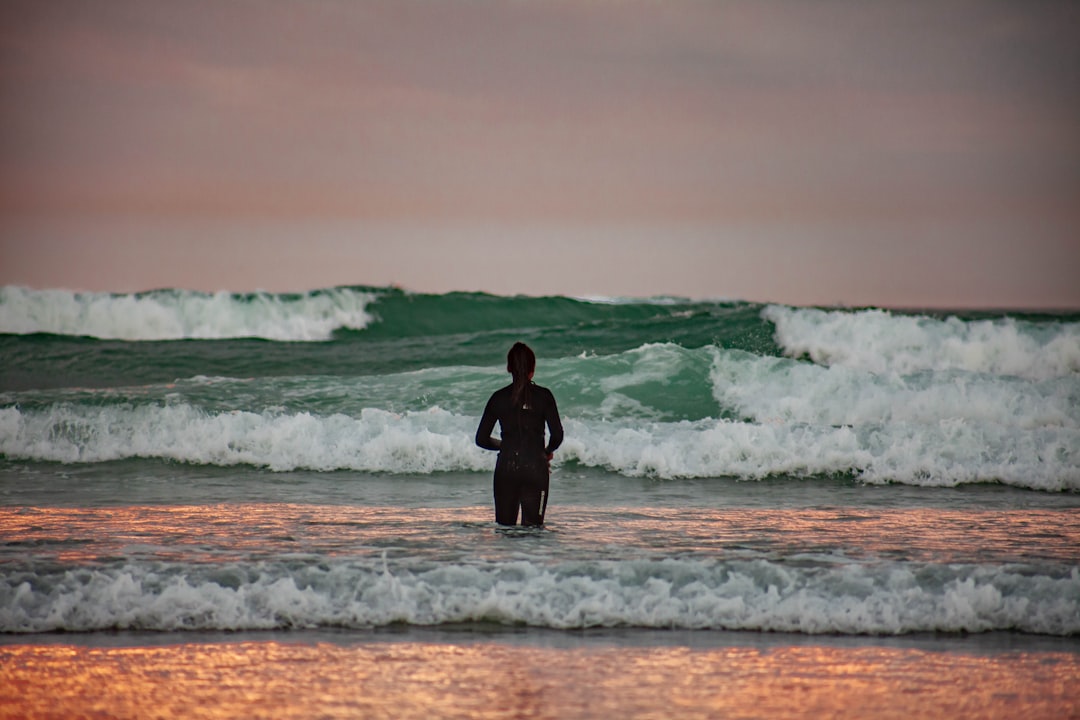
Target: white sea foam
[[695, 594], [376, 441], [180, 314], [942, 453], [780, 390], [882, 342], [945, 453]]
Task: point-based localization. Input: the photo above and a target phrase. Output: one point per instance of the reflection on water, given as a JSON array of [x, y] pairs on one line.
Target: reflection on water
[[235, 532], [207, 533], [495, 680]]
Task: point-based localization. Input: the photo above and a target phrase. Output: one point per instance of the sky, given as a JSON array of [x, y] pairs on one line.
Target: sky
[[905, 154]]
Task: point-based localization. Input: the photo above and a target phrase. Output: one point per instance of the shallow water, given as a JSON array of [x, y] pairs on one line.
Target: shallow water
[[483, 673]]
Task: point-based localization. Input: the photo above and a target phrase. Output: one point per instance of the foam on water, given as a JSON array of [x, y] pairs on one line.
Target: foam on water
[[654, 382], [182, 314], [671, 593], [376, 441], [942, 453], [780, 390], [882, 342]]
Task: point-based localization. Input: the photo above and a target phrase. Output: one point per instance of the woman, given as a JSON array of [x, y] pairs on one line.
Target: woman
[[523, 469]]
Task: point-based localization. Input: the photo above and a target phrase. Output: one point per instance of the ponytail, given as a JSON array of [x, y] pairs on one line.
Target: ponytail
[[520, 362]]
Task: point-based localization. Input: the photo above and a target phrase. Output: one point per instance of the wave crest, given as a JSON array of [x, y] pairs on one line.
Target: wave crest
[[883, 342], [948, 452], [184, 314], [671, 593]]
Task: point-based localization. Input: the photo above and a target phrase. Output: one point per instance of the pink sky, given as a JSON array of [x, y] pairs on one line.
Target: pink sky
[[908, 154]]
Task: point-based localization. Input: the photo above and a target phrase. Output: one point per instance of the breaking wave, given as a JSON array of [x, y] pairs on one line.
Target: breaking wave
[[184, 314], [670, 593]]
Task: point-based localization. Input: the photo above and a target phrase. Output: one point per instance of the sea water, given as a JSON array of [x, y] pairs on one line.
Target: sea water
[[761, 497]]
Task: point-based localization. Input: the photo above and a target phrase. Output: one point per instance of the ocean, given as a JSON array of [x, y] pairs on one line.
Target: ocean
[[271, 505]]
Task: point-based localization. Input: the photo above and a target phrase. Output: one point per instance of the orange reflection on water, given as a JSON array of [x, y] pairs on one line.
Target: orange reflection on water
[[497, 680], [243, 530], [207, 533], [927, 534]]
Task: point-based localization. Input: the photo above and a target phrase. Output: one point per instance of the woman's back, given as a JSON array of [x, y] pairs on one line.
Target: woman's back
[[521, 424]]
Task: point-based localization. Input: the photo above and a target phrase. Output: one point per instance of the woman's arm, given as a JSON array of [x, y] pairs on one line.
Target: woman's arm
[[554, 423], [487, 425]]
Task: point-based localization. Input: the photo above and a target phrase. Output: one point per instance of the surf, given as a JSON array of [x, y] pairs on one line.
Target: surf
[[183, 314], [759, 594]]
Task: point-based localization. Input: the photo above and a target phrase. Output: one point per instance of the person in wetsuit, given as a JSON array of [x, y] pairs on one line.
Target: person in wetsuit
[[523, 469]]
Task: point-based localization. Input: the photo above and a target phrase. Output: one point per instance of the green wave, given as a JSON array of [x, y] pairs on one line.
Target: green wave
[[407, 331], [370, 331]]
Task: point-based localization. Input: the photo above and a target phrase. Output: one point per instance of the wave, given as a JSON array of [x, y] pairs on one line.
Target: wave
[[376, 441], [948, 452], [656, 382], [780, 390], [1028, 346], [184, 314], [890, 598], [381, 314], [884, 342]]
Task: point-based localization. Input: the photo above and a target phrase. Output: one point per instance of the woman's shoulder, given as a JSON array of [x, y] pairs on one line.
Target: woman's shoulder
[[543, 391], [503, 391]]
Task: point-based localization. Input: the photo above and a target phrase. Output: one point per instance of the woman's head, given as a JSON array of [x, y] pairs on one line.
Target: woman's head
[[521, 361]]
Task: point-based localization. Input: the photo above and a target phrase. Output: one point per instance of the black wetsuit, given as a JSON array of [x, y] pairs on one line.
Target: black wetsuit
[[522, 471]]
